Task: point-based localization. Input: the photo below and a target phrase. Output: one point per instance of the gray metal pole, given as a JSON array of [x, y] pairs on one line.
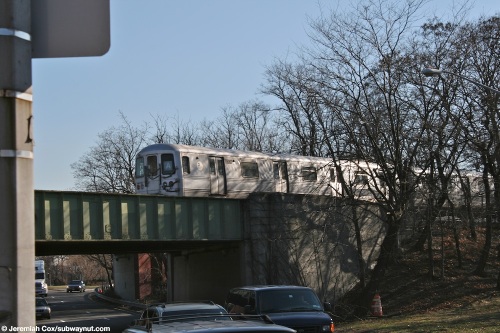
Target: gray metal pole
[[17, 234]]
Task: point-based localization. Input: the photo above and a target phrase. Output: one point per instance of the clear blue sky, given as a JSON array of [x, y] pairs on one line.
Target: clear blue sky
[[184, 57]]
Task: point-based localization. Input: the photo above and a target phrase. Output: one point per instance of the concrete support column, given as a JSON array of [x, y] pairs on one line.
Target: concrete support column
[[17, 243], [125, 275]]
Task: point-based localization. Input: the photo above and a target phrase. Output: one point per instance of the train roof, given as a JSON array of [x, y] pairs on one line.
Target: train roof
[[201, 150], [231, 152]]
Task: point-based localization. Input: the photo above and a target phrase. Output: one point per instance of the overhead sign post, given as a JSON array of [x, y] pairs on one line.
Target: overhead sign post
[[32, 29]]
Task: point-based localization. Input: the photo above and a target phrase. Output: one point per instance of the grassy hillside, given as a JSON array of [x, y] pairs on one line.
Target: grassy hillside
[[481, 315], [455, 301]]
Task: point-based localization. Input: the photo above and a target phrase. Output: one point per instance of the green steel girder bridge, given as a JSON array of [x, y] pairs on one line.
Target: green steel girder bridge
[[86, 223]]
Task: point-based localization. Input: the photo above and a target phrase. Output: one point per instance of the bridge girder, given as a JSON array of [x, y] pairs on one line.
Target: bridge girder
[[82, 223]]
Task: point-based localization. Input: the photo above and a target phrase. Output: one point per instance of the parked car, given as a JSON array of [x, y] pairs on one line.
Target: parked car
[[291, 306], [161, 312], [75, 285], [194, 325], [42, 308], [40, 289]]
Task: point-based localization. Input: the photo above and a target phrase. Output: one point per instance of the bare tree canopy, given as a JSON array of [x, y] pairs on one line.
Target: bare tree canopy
[[109, 166]]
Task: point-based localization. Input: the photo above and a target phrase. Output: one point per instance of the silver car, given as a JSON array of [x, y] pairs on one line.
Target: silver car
[[244, 324], [75, 285], [42, 308]]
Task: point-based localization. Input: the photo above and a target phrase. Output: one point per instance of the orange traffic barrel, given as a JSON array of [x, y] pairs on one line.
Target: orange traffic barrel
[[376, 308]]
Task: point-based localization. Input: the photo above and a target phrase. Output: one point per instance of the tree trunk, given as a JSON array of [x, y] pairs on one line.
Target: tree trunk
[[483, 258], [455, 233], [385, 257], [430, 255], [359, 245], [468, 206], [457, 244], [422, 238]]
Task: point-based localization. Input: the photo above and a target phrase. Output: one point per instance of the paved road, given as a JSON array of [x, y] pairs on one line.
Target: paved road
[[73, 310]]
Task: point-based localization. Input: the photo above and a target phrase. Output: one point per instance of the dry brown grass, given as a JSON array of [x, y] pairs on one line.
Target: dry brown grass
[[456, 301]]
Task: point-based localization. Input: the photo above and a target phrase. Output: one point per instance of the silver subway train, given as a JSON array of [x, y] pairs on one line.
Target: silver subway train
[[180, 170]]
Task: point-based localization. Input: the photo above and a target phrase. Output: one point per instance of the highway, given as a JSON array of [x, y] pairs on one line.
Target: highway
[[79, 310]]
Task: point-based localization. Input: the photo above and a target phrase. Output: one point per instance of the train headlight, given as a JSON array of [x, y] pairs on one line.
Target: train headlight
[[169, 184]]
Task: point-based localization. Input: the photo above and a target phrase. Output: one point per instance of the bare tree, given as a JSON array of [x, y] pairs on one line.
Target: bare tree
[[104, 261], [357, 94], [480, 44], [109, 166], [289, 84], [256, 127], [250, 126], [167, 129], [221, 132]]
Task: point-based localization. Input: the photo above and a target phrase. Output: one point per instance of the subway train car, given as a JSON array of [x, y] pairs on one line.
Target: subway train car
[[181, 170]]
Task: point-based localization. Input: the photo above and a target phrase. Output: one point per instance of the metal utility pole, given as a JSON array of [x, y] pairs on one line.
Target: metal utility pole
[[17, 243]]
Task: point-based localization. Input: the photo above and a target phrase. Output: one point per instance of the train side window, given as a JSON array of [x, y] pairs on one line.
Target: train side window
[[211, 163], [309, 173], [249, 170], [139, 167], [152, 163], [220, 167], [167, 164], [185, 165], [361, 177], [276, 170], [332, 174], [284, 170]]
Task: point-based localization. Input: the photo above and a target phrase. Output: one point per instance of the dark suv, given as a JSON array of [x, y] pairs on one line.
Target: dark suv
[[291, 306]]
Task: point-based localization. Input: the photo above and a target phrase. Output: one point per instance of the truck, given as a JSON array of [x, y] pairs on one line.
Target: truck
[[296, 307], [40, 284]]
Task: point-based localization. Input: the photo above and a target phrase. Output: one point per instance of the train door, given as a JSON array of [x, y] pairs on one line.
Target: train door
[[281, 176], [217, 176]]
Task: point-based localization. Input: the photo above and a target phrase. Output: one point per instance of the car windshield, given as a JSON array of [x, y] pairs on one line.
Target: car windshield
[[288, 300], [77, 282]]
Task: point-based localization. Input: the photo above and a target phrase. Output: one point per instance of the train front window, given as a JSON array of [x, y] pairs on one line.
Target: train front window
[[139, 167], [167, 164], [152, 163]]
